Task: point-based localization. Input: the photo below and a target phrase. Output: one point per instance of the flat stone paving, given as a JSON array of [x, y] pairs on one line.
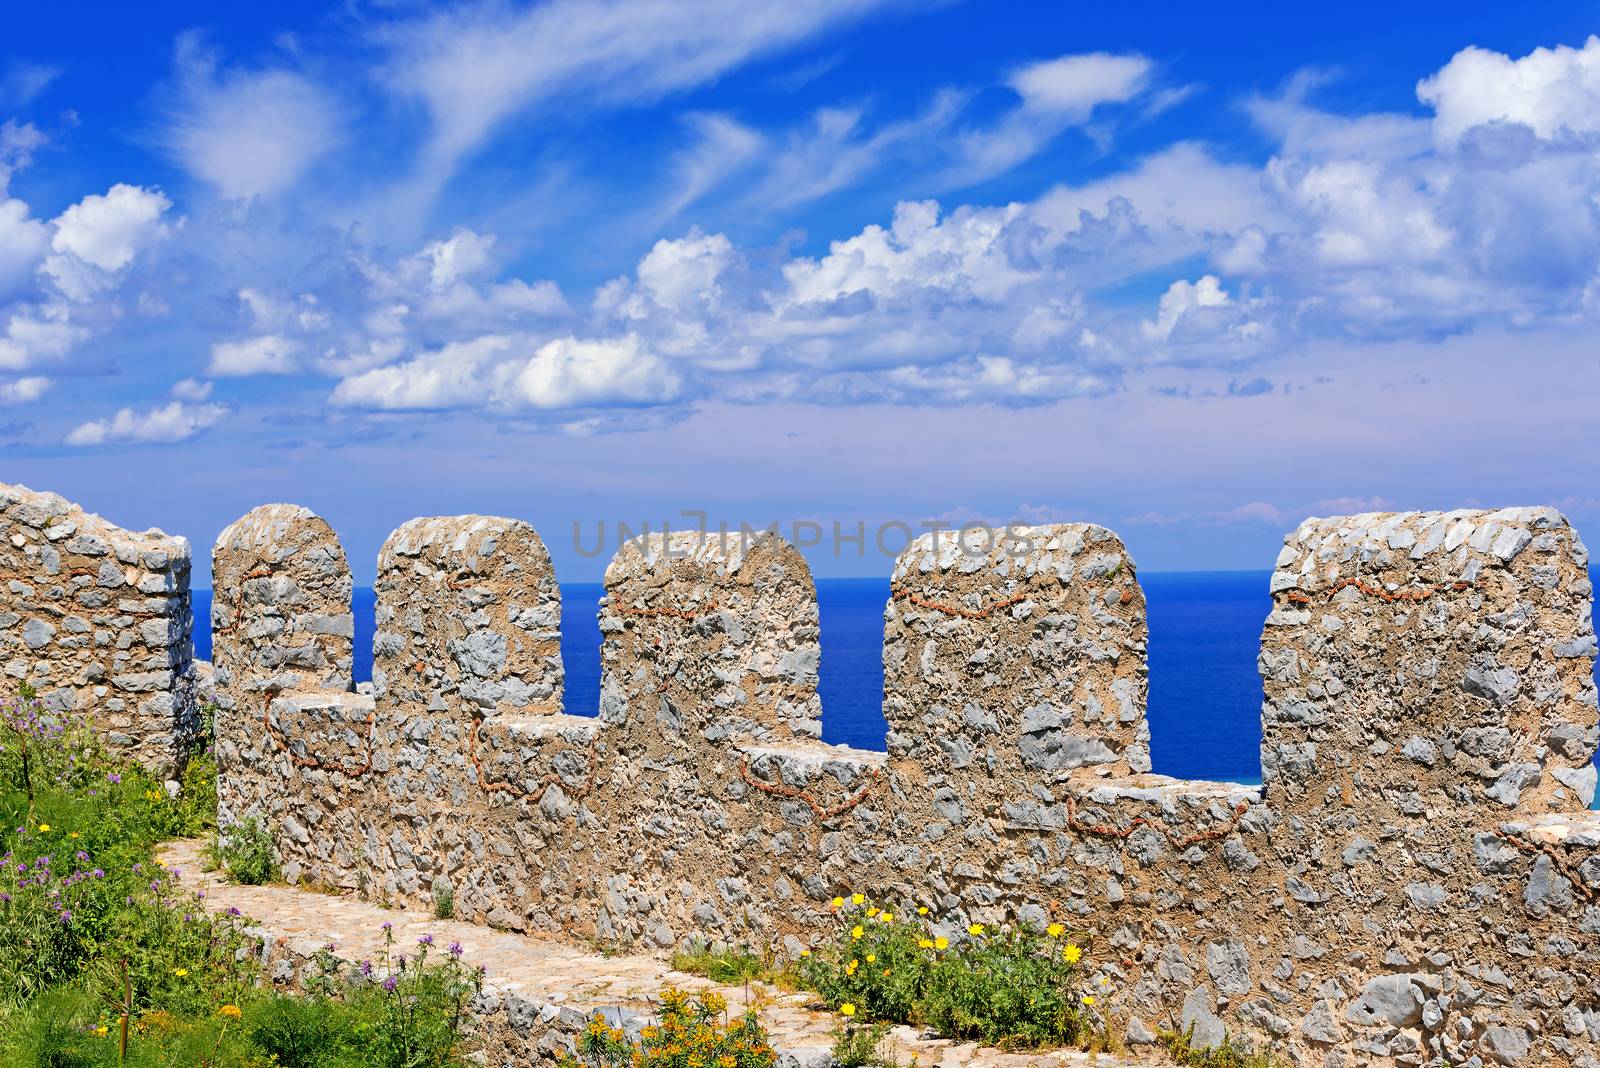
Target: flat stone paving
[[550, 971]]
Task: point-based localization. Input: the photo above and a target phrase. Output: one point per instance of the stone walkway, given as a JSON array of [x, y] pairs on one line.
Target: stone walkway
[[561, 980]]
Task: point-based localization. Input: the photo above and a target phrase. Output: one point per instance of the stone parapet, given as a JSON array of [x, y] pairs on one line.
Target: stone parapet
[[97, 619]]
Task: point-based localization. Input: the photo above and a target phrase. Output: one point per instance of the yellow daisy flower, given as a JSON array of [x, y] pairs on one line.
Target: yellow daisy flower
[[975, 929], [858, 899], [1054, 930], [1072, 953], [848, 1009]]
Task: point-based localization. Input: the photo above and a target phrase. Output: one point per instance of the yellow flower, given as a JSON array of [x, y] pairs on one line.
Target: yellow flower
[[975, 929], [1072, 953], [848, 1009], [1088, 999], [72, 834], [922, 910], [871, 957], [231, 1011], [857, 899], [1054, 930], [856, 931], [838, 902], [44, 828], [873, 911], [101, 1030], [941, 942], [805, 952], [926, 943], [180, 972], [886, 917]]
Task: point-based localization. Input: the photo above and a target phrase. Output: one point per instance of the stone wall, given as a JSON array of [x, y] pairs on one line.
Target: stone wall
[[97, 619], [281, 625], [1417, 882]]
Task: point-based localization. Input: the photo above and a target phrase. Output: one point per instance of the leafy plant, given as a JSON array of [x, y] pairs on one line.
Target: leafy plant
[[247, 853], [861, 1046], [1179, 1045], [1013, 988], [690, 1032], [726, 966], [444, 900]]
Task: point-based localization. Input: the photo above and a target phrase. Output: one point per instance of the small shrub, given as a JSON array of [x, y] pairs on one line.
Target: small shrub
[[726, 966], [444, 900], [298, 1032], [690, 1032], [246, 852], [1180, 1047], [1015, 988], [861, 1046]]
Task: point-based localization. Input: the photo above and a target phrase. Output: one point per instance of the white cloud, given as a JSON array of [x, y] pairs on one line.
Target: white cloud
[[475, 67], [166, 424], [268, 354], [248, 133], [1074, 86], [568, 373], [18, 142], [722, 146], [1550, 90], [463, 255], [23, 82], [191, 389], [24, 242], [456, 376], [24, 390], [1181, 298], [496, 371], [109, 231]]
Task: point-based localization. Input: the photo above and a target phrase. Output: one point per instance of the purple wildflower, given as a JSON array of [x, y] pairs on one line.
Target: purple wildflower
[[426, 940], [390, 983], [455, 949]]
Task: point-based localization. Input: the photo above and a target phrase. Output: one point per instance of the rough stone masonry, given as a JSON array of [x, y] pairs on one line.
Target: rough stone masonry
[[1416, 882], [97, 619]]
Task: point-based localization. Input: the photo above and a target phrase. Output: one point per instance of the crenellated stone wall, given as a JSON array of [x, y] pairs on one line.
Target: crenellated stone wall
[[1417, 882], [97, 619]]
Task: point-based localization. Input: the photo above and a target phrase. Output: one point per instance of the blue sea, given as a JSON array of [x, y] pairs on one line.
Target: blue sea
[[1205, 695]]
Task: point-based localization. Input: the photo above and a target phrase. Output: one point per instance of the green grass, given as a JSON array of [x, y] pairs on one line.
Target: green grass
[[105, 958]]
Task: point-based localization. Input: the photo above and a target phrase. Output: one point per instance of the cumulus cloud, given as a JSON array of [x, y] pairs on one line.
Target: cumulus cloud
[[1551, 91], [499, 372], [59, 280], [568, 373], [248, 133], [109, 231], [24, 390], [268, 354], [191, 389], [169, 423]]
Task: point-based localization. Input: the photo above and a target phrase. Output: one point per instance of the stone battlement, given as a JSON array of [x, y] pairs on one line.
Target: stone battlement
[[1417, 880]]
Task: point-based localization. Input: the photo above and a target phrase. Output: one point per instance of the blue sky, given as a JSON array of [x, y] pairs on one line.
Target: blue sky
[[1193, 274]]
